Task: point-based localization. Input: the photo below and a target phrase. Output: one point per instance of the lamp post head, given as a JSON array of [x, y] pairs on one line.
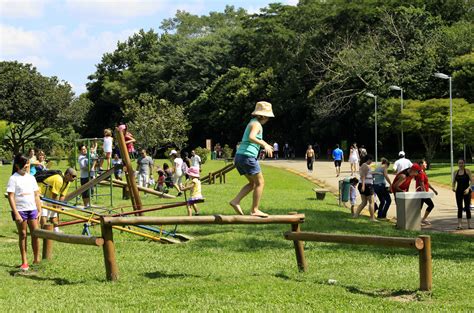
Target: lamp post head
[[395, 88], [369, 94], [441, 75]]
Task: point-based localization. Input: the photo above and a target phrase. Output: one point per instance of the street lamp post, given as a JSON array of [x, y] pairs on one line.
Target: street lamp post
[[444, 76], [401, 110], [368, 94]]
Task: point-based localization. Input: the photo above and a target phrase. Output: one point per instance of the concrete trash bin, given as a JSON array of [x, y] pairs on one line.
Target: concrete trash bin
[[409, 209]]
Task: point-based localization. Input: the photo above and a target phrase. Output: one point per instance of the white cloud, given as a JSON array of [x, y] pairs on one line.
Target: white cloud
[[116, 8], [18, 41], [84, 42], [22, 8], [39, 62], [292, 2]]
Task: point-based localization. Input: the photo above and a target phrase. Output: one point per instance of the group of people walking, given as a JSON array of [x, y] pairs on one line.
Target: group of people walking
[[377, 182]]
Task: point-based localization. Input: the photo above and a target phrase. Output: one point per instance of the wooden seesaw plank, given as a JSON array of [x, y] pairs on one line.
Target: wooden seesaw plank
[[95, 221], [67, 238]]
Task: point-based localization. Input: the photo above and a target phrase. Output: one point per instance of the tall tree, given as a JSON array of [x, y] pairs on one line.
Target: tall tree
[[32, 104], [156, 123]]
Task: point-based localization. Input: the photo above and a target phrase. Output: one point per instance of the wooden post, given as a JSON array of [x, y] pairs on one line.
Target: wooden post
[[224, 178], [210, 178], [426, 278], [299, 247], [220, 177], [135, 195], [111, 269], [47, 244]]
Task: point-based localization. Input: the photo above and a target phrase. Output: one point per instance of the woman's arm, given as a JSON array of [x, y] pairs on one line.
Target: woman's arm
[[255, 128], [469, 174], [11, 200], [385, 174], [38, 203], [454, 181]]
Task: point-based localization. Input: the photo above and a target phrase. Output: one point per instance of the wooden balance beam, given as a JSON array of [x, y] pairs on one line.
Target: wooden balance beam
[[107, 223], [89, 184], [421, 243], [119, 183], [48, 236]]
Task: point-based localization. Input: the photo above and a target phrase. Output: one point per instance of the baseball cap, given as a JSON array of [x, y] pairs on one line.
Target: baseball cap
[[416, 167], [173, 152], [401, 153]]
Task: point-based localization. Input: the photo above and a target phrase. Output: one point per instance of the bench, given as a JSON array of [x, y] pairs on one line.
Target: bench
[[320, 193]]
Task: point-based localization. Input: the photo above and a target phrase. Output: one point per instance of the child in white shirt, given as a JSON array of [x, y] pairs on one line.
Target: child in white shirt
[[353, 193]]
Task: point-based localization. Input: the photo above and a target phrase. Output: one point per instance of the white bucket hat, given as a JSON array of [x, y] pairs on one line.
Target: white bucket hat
[[263, 108]]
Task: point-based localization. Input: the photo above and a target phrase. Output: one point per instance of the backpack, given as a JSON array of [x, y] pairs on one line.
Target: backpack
[[41, 176]]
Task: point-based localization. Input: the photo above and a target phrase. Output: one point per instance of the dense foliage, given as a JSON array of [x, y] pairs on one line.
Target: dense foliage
[[36, 107], [314, 62]]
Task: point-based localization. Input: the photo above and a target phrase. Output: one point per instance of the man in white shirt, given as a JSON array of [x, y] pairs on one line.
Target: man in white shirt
[[402, 163], [275, 150], [195, 160]]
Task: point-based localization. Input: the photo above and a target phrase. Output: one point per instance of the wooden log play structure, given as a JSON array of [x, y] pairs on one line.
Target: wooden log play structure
[[211, 177], [122, 184], [96, 221], [108, 223], [421, 243], [48, 236]]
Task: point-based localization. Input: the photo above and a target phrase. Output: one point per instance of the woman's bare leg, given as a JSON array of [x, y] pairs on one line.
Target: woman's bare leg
[[361, 206], [35, 242], [21, 226], [235, 203], [258, 183]]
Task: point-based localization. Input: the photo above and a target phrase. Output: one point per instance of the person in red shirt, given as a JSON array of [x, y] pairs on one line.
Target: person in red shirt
[[402, 181], [422, 184]]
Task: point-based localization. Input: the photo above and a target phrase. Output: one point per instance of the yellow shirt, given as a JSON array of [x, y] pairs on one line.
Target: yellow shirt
[[196, 190], [54, 185]]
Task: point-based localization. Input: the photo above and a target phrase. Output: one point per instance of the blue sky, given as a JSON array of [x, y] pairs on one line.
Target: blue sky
[[67, 38]]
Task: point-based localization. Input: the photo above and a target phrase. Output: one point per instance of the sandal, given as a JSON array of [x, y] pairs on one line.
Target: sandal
[[459, 228]]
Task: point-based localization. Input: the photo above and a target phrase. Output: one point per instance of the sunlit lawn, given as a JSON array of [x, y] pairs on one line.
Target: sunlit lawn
[[241, 268]]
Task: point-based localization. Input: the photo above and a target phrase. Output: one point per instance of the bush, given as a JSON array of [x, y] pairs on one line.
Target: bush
[[203, 153], [227, 152]]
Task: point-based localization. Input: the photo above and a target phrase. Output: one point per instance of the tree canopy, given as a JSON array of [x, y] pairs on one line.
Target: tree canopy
[[35, 106]]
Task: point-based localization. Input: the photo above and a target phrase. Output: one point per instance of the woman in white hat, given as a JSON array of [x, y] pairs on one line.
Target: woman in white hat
[[246, 158]]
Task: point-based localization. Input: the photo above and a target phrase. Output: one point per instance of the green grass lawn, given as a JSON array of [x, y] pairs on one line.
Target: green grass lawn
[[241, 267], [441, 173]]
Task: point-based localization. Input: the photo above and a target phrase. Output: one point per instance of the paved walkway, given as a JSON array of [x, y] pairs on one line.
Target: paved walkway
[[443, 217]]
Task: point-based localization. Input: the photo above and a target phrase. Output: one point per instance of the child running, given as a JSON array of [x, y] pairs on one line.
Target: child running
[[23, 196], [246, 158], [195, 186]]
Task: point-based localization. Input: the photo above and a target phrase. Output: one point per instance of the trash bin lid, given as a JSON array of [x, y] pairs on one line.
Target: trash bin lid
[[414, 195]]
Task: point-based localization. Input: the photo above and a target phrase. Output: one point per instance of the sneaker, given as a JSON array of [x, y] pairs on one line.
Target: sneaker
[[425, 222], [24, 267]]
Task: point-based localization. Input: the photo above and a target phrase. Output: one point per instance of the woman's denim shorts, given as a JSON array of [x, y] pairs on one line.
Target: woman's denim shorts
[[246, 165]]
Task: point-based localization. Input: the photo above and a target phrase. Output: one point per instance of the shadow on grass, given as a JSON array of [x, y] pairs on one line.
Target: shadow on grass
[[404, 294], [33, 275], [156, 275]]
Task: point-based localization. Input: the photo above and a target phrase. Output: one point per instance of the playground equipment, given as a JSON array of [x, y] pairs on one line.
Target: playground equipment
[[421, 243], [48, 236], [108, 223], [211, 177], [87, 142]]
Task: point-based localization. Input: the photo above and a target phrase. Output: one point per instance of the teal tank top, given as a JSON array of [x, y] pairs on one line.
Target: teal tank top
[[247, 147], [379, 179]]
